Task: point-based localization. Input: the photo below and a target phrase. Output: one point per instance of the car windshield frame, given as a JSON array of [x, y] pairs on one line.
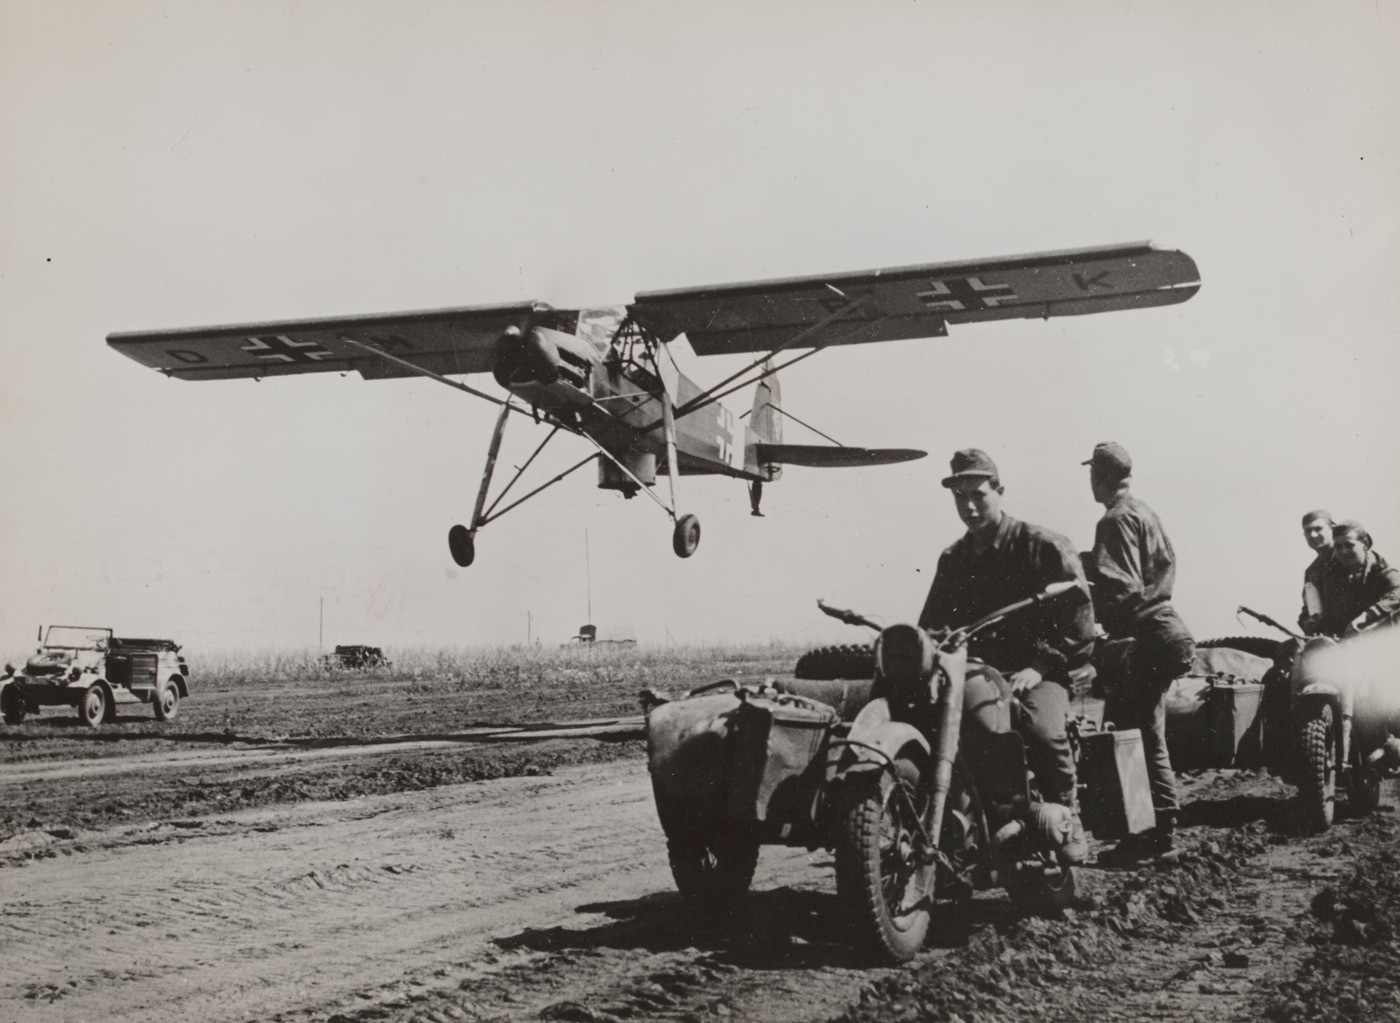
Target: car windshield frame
[[77, 637]]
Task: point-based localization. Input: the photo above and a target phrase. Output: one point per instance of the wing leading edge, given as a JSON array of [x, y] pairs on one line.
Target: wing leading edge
[[918, 301]]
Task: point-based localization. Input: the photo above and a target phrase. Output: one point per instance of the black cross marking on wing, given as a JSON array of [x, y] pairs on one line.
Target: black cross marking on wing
[[964, 293], [280, 348]]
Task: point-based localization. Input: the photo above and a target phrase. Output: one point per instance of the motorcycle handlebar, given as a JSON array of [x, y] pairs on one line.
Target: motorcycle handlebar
[[960, 636], [1055, 590], [1266, 620], [849, 617]]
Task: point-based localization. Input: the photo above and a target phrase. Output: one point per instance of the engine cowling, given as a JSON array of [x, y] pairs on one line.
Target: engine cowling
[[526, 357]]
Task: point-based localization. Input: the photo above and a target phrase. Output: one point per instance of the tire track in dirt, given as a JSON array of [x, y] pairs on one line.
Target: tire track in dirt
[[304, 900], [301, 907]]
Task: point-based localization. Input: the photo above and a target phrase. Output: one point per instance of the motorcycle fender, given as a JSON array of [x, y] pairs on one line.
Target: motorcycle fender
[[1321, 690], [876, 739]]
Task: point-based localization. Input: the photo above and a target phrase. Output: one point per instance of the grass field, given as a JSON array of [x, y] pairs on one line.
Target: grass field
[[263, 695]]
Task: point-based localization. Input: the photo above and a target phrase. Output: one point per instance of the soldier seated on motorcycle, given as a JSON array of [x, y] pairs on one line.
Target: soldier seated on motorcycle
[[1357, 588], [1000, 560]]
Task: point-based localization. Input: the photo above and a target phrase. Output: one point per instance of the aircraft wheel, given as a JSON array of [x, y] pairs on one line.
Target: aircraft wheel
[[687, 536], [462, 545]]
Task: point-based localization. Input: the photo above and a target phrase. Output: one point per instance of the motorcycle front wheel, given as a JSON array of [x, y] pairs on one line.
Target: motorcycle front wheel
[[1317, 776], [880, 879]]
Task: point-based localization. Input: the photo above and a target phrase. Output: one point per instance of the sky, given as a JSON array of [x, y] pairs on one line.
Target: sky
[[183, 164]]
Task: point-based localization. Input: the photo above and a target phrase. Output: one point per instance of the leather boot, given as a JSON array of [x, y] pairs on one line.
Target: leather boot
[[1163, 839]]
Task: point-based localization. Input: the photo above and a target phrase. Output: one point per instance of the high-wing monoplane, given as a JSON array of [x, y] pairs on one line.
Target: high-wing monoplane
[[610, 375]]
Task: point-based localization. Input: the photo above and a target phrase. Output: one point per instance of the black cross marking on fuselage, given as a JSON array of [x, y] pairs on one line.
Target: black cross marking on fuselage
[[963, 293], [280, 348], [725, 438]]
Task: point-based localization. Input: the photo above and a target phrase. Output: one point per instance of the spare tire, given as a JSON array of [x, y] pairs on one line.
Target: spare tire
[[850, 661], [1259, 646]]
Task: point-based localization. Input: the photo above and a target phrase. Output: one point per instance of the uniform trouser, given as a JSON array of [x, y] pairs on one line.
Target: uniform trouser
[[1160, 652], [1039, 716]]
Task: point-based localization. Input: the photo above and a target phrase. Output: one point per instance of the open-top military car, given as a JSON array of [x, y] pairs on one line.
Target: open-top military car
[[94, 671]]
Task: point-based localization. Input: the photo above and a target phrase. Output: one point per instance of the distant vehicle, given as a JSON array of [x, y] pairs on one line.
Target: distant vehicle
[[94, 671], [611, 375], [589, 634], [356, 656]]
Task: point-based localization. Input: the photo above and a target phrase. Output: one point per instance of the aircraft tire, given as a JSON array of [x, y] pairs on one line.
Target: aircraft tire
[[686, 536], [462, 545], [850, 661]]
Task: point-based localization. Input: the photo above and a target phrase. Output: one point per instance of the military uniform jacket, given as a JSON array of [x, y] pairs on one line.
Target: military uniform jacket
[[1021, 560]]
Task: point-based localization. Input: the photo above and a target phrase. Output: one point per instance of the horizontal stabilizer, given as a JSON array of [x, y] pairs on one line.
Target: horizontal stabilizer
[[826, 456]]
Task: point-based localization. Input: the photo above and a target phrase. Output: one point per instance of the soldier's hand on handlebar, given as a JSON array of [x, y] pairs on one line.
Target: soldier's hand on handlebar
[[1023, 681]]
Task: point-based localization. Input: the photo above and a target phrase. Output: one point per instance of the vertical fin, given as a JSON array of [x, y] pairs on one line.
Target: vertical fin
[[765, 420]]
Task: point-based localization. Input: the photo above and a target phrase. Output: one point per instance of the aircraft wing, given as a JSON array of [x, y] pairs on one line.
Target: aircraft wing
[[445, 341], [918, 301]]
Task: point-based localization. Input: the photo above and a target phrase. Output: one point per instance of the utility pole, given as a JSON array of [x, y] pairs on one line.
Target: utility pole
[[588, 574], [321, 630]]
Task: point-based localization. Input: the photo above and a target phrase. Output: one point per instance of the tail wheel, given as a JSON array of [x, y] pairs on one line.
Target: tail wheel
[[686, 536], [94, 706], [712, 869], [881, 878], [167, 702], [1317, 784], [12, 705]]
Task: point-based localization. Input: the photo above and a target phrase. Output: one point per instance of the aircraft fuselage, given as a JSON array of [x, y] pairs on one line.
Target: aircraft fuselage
[[617, 402]]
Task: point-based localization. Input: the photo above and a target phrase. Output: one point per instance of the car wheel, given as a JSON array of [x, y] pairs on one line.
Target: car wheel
[[167, 702], [94, 706], [12, 705]]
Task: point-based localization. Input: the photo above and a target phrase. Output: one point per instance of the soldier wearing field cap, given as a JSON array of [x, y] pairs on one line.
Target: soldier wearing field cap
[[1317, 532], [1133, 569], [998, 561], [1359, 590]]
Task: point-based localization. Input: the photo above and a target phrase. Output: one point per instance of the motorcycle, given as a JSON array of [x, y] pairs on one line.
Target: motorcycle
[[919, 809], [1337, 729]]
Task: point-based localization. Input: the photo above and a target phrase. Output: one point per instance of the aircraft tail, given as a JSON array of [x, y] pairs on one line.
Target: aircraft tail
[[764, 420]]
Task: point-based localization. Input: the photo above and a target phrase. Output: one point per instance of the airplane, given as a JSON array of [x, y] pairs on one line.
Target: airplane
[[610, 375]]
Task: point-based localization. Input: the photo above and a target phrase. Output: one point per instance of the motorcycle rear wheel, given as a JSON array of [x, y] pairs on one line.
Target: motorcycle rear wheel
[[1317, 782], [879, 880]]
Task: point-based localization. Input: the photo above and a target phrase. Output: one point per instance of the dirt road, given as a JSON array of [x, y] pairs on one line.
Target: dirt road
[[345, 857], [315, 909], [549, 897]]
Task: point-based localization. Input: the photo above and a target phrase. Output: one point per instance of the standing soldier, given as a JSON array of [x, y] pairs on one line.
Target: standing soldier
[[1133, 569]]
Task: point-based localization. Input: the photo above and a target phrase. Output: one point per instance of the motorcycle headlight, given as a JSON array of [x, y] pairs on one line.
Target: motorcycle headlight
[[76, 673], [904, 656]]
